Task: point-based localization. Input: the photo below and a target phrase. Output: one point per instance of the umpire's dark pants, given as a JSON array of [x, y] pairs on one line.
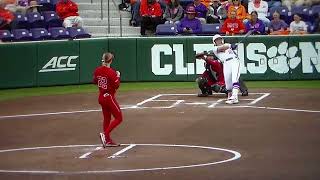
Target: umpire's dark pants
[[148, 22]]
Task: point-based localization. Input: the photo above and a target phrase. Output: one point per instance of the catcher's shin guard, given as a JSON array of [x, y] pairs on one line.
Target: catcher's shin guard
[[218, 88], [202, 83], [243, 87]]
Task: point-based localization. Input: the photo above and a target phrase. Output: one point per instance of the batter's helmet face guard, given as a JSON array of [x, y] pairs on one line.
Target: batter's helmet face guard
[[215, 37]]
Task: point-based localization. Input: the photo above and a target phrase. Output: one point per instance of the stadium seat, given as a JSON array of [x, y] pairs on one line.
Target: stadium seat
[[6, 36], [21, 35], [209, 29], [217, 28], [54, 2], [303, 11], [283, 10], [51, 19], [46, 5], [59, 33], [310, 28], [35, 20], [315, 10], [166, 29], [21, 21], [78, 32], [39, 34]]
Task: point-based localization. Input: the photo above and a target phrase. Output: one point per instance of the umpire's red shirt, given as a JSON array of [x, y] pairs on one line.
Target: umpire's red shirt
[[106, 79]]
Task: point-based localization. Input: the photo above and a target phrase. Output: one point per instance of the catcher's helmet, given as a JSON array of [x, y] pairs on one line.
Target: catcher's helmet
[[215, 37]]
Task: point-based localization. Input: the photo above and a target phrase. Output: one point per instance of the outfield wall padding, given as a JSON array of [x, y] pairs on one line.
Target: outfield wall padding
[[51, 63]]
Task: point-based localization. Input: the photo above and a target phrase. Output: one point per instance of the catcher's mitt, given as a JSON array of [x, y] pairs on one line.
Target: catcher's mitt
[[200, 55]]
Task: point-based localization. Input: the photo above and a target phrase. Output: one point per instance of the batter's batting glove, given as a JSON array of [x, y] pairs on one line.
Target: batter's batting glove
[[234, 46]]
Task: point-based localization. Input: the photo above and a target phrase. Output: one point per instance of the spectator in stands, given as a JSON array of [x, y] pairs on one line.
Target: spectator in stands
[[206, 2], [22, 6], [190, 24], [241, 12], [67, 10], [291, 3], [173, 13], [277, 26], [297, 26], [274, 3], [201, 10], [217, 13], [255, 24], [232, 25], [151, 14], [262, 9], [226, 3], [135, 15], [6, 18]]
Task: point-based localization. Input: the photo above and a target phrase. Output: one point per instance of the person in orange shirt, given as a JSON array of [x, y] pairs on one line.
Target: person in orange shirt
[[241, 12], [232, 25], [206, 2]]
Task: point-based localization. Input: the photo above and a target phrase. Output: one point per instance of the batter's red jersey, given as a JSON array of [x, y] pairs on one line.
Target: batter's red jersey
[[106, 79]]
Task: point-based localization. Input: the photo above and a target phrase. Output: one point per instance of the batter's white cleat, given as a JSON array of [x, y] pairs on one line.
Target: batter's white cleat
[[103, 140], [232, 100]]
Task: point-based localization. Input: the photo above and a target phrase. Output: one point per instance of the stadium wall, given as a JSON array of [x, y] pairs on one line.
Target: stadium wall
[[50, 63]]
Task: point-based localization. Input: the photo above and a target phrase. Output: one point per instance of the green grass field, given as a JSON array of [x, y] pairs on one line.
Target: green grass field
[[88, 88]]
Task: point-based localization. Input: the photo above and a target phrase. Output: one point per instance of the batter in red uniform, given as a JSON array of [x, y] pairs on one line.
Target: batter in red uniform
[[108, 81]]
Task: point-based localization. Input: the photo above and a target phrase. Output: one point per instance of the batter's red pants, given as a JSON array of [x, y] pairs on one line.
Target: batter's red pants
[[110, 106]]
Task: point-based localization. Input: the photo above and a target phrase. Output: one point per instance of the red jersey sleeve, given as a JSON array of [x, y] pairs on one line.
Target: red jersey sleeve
[[95, 79], [241, 25], [115, 80], [157, 9], [74, 7]]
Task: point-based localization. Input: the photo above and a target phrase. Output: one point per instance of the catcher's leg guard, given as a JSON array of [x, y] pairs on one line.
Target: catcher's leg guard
[[202, 83], [243, 88], [218, 88]]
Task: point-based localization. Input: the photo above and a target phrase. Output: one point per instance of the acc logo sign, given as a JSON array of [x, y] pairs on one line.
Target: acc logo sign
[[62, 63]]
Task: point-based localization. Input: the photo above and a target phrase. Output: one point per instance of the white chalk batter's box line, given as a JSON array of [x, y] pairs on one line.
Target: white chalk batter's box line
[[212, 104], [176, 103]]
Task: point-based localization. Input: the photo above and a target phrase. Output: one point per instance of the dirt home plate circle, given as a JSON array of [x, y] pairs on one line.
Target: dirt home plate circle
[[90, 159]]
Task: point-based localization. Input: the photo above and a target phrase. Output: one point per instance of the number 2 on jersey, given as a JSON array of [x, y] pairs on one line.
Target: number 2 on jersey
[[102, 82]]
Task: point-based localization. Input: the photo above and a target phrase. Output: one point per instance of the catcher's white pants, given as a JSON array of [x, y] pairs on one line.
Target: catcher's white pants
[[231, 72], [73, 21]]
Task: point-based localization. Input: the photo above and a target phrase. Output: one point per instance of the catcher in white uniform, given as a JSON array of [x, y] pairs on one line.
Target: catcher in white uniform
[[231, 66]]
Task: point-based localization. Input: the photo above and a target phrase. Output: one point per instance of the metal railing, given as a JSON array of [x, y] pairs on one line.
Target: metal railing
[[108, 12], [120, 16]]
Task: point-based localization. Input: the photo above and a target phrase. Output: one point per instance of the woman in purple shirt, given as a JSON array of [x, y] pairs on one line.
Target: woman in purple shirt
[[255, 24]]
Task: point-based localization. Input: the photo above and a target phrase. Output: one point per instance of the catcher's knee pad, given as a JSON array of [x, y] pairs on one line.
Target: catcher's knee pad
[[202, 83], [216, 88], [223, 89]]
